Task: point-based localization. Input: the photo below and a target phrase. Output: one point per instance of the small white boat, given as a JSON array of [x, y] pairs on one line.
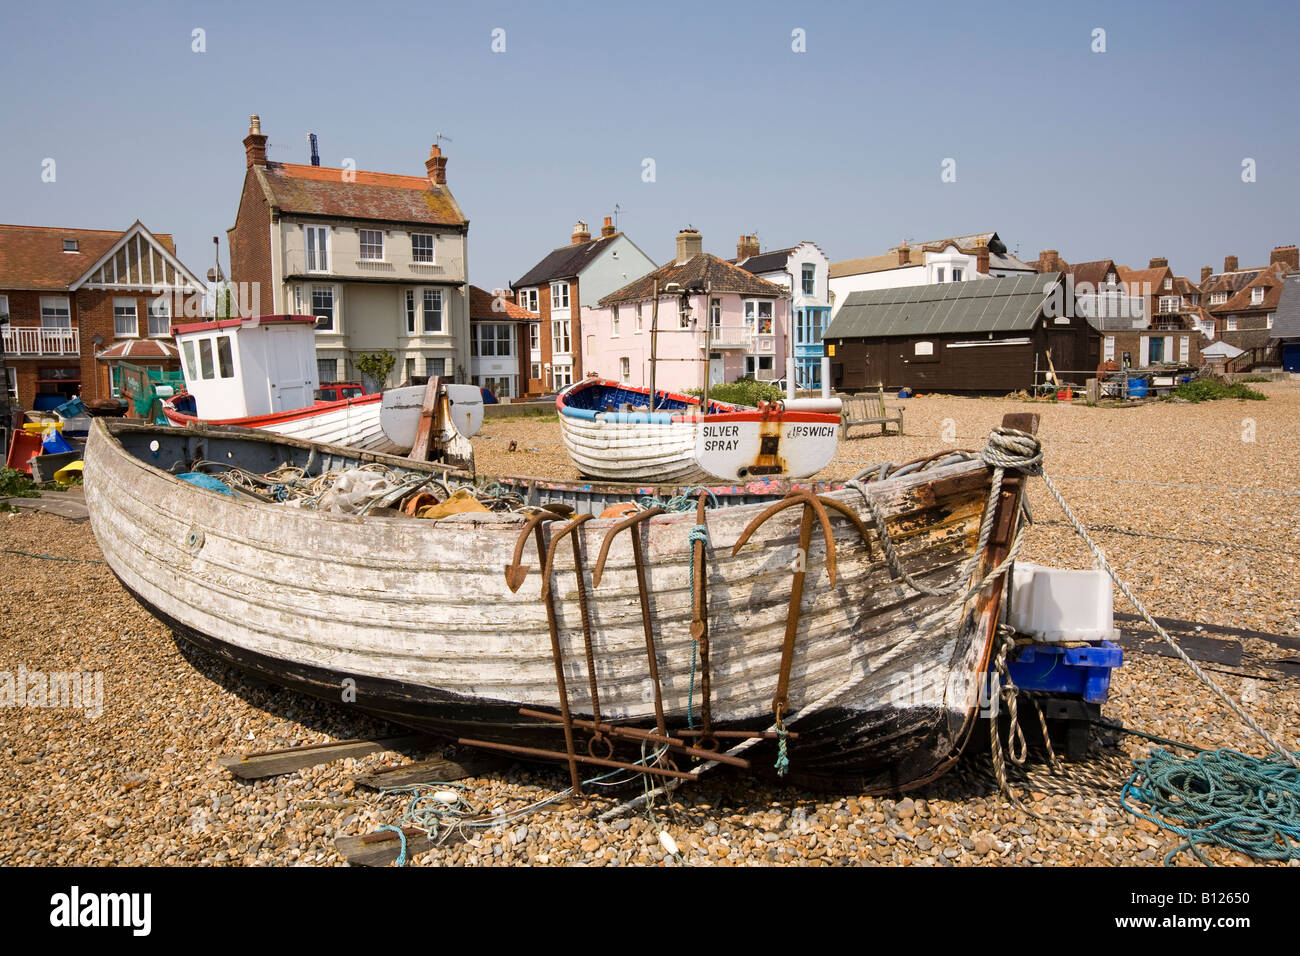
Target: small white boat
[[261, 373], [611, 433]]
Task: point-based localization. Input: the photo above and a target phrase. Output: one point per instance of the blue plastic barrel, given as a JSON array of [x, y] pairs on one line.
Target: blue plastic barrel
[[1137, 388]]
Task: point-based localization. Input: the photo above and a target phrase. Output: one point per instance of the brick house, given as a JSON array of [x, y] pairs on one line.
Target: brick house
[[380, 258], [557, 289], [499, 330], [78, 300], [1173, 333], [1242, 302]]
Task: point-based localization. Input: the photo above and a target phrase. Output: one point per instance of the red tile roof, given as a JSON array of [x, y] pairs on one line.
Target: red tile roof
[[32, 257], [486, 306], [697, 270], [139, 349], [358, 194]]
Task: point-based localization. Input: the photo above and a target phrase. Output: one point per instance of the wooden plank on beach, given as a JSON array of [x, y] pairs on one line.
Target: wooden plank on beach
[[381, 847], [437, 770], [271, 763]]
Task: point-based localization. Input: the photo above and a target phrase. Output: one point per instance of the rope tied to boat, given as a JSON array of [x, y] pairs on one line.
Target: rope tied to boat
[[699, 533]]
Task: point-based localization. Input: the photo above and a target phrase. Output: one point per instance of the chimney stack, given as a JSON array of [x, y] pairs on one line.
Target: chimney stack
[[436, 165], [1288, 255], [982, 257], [255, 143], [1229, 263], [607, 229], [689, 244], [580, 234], [904, 255], [1159, 262], [747, 247], [1049, 260], [1206, 272]]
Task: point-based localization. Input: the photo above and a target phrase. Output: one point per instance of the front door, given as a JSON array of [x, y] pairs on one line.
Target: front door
[[715, 368]]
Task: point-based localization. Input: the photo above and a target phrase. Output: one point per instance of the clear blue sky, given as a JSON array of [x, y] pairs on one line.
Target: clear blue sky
[[1127, 154]]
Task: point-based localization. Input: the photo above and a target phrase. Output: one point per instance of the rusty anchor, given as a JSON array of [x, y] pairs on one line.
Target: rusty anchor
[[814, 506]]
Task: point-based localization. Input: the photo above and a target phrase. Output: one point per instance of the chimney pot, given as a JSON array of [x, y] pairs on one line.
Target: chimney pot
[[254, 143], [747, 247], [689, 244], [1229, 263], [1159, 262], [904, 255], [580, 234], [1206, 272], [607, 229]]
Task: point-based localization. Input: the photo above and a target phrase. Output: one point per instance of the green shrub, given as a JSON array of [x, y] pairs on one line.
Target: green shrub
[[1212, 389], [744, 391], [14, 484]]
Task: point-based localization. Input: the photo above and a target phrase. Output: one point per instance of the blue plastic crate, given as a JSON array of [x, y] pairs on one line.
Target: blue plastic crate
[[1084, 671]]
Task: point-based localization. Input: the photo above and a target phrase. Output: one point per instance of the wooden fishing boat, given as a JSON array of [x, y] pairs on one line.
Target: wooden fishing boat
[[612, 433], [497, 628]]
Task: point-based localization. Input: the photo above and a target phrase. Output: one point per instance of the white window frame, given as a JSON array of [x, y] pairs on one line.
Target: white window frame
[[417, 253], [426, 312], [639, 325], [561, 332], [1218, 298], [160, 307], [366, 239], [134, 306], [316, 242], [489, 338], [534, 338], [52, 315], [753, 316], [561, 376], [535, 371], [334, 308], [613, 323], [4, 305], [625, 368], [71, 245], [1231, 323], [1169, 284], [1108, 348], [1256, 295], [528, 299], [1168, 303], [410, 311], [557, 287], [808, 277], [956, 274]]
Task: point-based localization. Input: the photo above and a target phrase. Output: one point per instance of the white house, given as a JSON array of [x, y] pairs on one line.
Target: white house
[[958, 259]]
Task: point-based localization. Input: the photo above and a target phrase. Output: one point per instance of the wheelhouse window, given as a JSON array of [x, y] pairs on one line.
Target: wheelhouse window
[[191, 369], [126, 322], [206, 370], [372, 244], [809, 279], [422, 247], [432, 310], [559, 295], [225, 360], [322, 306], [317, 238]]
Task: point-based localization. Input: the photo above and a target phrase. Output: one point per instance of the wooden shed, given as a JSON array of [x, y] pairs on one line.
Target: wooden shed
[[977, 336]]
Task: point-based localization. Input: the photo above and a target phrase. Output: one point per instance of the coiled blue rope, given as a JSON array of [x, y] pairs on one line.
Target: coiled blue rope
[[1220, 798], [401, 856]]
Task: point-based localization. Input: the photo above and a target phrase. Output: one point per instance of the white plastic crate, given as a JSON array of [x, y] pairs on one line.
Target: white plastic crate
[[1057, 604]]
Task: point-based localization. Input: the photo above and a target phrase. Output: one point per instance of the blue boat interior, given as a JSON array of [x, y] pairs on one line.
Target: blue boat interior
[[612, 399]]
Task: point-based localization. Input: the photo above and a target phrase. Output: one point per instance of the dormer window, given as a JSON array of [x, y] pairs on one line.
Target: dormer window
[[1110, 278], [1256, 296], [70, 245], [1169, 284]]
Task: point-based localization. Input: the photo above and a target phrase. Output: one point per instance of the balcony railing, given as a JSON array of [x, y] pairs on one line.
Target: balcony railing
[[35, 340]]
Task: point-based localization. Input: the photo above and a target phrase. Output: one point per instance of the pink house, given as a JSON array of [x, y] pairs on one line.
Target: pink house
[[713, 318]]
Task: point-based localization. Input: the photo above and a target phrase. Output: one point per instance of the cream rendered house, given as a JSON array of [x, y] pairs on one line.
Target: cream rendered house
[[379, 258]]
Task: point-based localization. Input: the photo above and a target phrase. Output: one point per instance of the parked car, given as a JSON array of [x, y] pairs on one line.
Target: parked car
[[337, 391]]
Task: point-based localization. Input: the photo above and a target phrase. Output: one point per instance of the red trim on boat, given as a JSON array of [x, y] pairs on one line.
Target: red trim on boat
[[276, 418], [236, 323]]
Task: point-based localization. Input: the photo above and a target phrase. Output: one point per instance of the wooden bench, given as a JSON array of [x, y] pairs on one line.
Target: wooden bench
[[868, 409]]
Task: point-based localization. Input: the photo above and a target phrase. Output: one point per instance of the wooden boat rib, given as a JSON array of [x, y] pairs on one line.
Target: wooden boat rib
[[418, 614]]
